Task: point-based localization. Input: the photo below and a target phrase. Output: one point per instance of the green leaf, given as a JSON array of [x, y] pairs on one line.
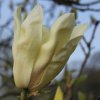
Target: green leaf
[[81, 96], [79, 80]]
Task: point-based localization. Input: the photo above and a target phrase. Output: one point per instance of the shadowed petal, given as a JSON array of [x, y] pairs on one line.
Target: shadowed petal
[[59, 60], [60, 34]]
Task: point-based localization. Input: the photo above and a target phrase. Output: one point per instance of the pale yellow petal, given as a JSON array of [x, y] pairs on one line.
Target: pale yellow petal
[[41, 59], [44, 56], [59, 60], [52, 46], [57, 64], [27, 47], [17, 23], [45, 34], [78, 31], [33, 16], [62, 29]]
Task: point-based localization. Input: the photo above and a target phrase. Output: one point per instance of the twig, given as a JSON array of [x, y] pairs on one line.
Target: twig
[[83, 49], [66, 2], [7, 23], [89, 44], [78, 6], [87, 55], [86, 9]]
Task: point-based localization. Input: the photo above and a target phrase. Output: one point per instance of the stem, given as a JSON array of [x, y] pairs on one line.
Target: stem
[[24, 95]]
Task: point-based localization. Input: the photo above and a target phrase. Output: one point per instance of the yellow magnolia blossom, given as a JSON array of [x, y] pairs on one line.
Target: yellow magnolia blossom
[[40, 53]]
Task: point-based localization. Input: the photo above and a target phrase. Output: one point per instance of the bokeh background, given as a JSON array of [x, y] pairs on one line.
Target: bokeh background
[[80, 76]]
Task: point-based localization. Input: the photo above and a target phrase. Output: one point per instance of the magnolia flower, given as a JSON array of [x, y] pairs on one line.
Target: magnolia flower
[[40, 53]]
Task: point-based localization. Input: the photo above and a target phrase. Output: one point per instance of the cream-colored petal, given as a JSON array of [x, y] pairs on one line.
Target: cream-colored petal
[[55, 66], [78, 30], [45, 54], [33, 17], [17, 23], [42, 59], [45, 34], [59, 60], [27, 47], [63, 28]]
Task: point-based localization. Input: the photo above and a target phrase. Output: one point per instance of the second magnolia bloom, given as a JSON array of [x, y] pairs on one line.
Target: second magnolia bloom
[[40, 53]]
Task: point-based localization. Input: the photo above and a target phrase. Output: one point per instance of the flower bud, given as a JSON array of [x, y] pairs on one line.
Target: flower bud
[[40, 53]]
